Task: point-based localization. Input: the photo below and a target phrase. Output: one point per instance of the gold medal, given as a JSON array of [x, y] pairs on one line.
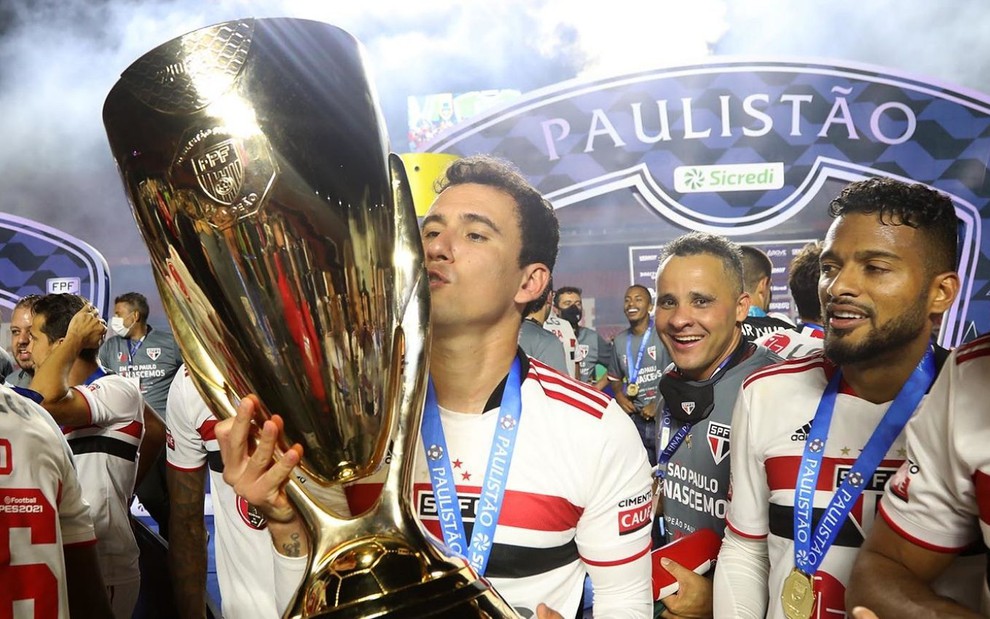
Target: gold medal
[[798, 595], [632, 389]]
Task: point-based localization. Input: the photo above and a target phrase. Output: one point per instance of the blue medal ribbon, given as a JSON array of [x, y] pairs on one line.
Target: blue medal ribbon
[[489, 505], [34, 396], [133, 347], [634, 369], [810, 546], [96, 375], [672, 445], [675, 441]]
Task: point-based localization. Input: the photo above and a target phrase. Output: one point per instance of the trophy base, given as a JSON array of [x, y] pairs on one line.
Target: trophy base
[[385, 577]]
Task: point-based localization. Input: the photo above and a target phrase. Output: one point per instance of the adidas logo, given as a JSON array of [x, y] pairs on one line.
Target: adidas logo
[[801, 434]]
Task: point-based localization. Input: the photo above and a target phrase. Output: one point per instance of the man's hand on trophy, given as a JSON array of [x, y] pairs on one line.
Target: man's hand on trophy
[[545, 612], [258, 478]]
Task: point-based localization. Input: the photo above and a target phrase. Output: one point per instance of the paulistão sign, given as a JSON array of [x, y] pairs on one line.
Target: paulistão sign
[[753, 150]]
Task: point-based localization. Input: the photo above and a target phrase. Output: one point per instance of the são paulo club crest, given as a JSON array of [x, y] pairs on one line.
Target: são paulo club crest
[[250, 515], [718, 440]]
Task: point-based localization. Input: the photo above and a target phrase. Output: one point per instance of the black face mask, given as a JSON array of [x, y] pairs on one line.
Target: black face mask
[[572, 314], [691, 401], [688, 401]]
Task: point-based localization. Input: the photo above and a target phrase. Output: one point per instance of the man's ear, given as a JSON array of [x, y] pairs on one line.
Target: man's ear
[[742, 306], [943, 292], [536, 277]]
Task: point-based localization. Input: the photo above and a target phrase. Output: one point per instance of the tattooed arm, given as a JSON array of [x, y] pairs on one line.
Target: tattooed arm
[[290, 538], [259, 479], [187, 542]]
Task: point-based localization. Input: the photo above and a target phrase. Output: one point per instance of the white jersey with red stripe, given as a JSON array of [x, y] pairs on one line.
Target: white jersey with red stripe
[[770, 427], [940, 497], [243, 546], [793, 344], [565, 333], [577, 500], [41, 511], [106, 456]]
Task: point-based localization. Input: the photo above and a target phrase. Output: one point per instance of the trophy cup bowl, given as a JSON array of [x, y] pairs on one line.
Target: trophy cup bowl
[[285, 246]]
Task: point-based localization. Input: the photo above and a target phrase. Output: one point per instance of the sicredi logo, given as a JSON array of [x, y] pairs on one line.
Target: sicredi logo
[[733, 177], [670, 141]]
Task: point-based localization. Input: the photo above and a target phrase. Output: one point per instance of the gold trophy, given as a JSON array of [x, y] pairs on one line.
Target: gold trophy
[[285, 246]]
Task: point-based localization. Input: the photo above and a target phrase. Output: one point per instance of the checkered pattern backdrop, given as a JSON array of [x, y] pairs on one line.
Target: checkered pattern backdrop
[[606, 153], [38, 259]]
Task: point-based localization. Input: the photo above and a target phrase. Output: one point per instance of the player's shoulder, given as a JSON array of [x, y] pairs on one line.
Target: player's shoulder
[[791, 370], [622, 335], [116, 382], [113, 342], [120, 394], [972, 351], [761, 356], [564, 395], [542, 334], [24, 418]]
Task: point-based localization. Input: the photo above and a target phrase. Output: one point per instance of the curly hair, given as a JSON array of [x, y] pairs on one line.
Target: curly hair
[[901, 204]]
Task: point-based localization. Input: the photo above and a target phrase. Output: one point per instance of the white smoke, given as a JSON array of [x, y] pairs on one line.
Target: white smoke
[[59, 59]]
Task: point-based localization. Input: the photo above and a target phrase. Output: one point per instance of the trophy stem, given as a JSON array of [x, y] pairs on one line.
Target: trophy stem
[[294, 270], [384, 563]]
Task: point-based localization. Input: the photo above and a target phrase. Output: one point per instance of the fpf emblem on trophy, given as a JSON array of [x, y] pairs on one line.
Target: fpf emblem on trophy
[[235, 173], [285, 245]]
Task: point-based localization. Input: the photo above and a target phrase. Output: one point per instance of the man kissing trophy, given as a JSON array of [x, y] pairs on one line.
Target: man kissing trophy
[[285, 246]]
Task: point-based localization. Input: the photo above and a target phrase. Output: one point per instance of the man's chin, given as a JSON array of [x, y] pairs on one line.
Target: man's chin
[[842, 352]]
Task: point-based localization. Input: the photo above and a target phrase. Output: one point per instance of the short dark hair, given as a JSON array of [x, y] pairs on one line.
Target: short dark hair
[[756, 266], [649, 295], [695, 243], [137, 301], [58, 310], [27, 302], [537, 219], [538, 225], [896, 203], [565, 290], [802, 279]]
